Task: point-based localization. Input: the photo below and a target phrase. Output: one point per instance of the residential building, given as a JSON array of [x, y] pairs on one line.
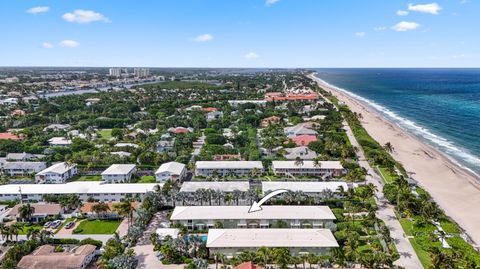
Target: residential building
[[236, 103], [270, 120], [119, 173], [56, 127], [301, 152], [126, 145], [141, 72], [171, 171], [297, 130], [46, 256], [231, 242], [115, 72], [180, 130], [56, 174], [24, 157], [87, 210], [214, 115], [310, 188], [308, 168], [205, 217], [302, 140], [223, 186], [41, 211], [165, 145], [23, 168], [84, 189], [247, 265], [59, 142], [227, 168], [9, 136]]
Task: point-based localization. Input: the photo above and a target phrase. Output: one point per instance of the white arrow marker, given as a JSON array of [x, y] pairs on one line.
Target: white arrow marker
[[257, 206]]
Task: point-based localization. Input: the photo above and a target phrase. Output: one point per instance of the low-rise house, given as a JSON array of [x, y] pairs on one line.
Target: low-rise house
[[165, 145], [180, 130], [174, 171], [126, 145], [308, 168], [310, 188], [119, 173], [235, 103], [59, 142], [214, 115], [206, 217], [85, 190], [56, 127], [163, 233], [9, 136], [303, 140], [247, 265], [298, 130], [122, 154], [301, 152], [270, 120], [56, 174], [46, 256], [222, 186], [87, 210], [227, 168], [40, 212], [230, 242], [23, 168], [226, 157], [24, 157]]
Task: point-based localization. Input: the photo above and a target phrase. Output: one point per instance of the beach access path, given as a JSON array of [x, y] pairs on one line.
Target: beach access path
[[455, 190]]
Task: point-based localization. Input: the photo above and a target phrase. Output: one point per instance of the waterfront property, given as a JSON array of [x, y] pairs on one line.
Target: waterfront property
[[310, 188], [308, 168], [174, 171], [119, 173], [56, 174], [47, 256], [232, 242], [84, 189], [227, 168], [203, 217]]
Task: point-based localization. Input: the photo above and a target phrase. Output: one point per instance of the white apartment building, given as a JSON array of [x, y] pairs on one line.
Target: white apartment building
[[308, 168], [119, 173], [141, 72], [115, 72], [171, 170], [23, 168], [227, 168], [56, 174]]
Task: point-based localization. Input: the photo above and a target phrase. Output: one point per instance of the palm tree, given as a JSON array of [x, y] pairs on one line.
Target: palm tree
[[26, 211], [219, 257], [44, 235], [3, 230], [32, 233], [298, 161], [389, 147], [255, 172], [264, 255], [15, 230], [125, 209], [312, 259], [282, 257], [100, 208], [317, 163]]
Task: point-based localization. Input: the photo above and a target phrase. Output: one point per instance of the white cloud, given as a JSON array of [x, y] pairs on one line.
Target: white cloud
[[402, 13], [251, 56], [37, 10], [270, 2], [432, 8], [84, 16], [203, 38], [379, 28], [405, 26], [47, 45], [464, 2], [69, 44], [360, 34]]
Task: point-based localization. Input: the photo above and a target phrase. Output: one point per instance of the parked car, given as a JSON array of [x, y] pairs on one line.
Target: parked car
[[55, 224], [47, 224], [69, 225]]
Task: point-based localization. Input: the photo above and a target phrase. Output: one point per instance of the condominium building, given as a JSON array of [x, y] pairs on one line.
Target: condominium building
[[227, 168], [56, 174], [231, 242], [23, 168], [115, 72], [174, 171], [308, 168], [204, 217], [119, 173], [310, 188], [141, 72]]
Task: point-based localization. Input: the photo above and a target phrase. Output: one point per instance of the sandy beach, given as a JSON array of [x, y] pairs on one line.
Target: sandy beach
[[455, 190]]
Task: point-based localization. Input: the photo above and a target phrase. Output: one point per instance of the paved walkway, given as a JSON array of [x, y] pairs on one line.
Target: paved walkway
[[408, 256]]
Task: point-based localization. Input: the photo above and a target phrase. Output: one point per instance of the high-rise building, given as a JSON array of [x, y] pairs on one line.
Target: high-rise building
[[141, 72], [115, 72]]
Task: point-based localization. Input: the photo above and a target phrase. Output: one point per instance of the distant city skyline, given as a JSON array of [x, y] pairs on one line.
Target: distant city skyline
[[246, 33]]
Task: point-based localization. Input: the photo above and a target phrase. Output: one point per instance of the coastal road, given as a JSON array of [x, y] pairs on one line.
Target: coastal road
[[408, 256]]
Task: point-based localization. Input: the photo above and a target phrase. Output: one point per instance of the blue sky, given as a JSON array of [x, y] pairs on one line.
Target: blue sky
[[240, 33]]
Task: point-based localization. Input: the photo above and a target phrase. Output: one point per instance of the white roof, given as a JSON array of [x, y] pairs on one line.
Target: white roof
[[228, 165], [171, 167], [304, 186], [24, 165], [226, 186], [164, 232], [307, 165], [119, 169], [79, 187], [59, 141], [241, 212], [58, 168], [121, 145], [299, 129], [254, 238]]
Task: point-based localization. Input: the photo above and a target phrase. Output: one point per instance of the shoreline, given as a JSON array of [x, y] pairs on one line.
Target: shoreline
[[455, 189]]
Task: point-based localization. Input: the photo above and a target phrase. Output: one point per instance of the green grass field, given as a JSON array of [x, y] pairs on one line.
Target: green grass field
[[96, 226], [90, 178], [105, 133], [26, 226], [147, 179], [387, 177]]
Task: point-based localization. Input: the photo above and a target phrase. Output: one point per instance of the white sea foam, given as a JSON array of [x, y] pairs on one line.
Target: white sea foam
[[453, 152]]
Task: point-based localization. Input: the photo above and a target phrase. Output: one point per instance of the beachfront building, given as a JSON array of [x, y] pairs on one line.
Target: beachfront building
[[23, 168], [297, 130], [174, 171], [119, 173], [308, 168], [40, 212], [205, 217], [301, 152], [227, 168], [47, 256], [220, 191], [56, 174], [310, 188], [231, 242], [84, 189]]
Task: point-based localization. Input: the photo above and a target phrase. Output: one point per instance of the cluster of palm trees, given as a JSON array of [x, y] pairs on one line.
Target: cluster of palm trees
[[124, 208]]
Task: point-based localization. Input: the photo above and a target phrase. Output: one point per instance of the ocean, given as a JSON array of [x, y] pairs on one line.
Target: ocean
[[439, 106]]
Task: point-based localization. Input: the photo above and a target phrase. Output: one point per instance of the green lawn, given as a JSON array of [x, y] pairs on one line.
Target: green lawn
[[386, 175], [423, 256], [147, 179], [26, 226], [96, 226], [105, 133], [90, 178]]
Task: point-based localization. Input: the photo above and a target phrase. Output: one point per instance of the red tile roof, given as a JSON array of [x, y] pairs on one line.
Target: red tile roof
[[247, 265], [303, 140], [9, 136], [209, 109]]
